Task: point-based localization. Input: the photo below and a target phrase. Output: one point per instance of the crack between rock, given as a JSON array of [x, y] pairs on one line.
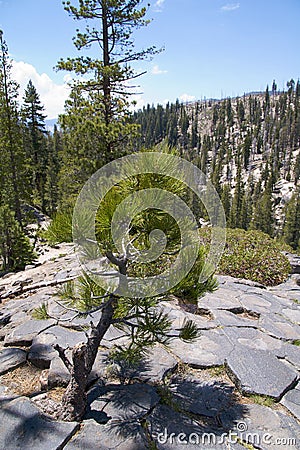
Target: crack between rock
[[68, 438], [288, 388]]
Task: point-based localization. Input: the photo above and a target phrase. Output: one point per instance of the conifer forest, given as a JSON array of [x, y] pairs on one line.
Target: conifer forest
[[248, 147]]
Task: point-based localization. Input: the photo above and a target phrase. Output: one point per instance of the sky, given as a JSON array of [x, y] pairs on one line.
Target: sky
[[212, 48]]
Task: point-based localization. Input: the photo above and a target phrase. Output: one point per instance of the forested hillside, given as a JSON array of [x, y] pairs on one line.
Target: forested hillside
[[249, 146]]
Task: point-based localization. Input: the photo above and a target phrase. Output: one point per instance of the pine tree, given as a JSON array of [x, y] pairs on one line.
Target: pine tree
[[263, 217], [274, 88], [140, 319], [54, 144], [291, 228], [96, 124], [235, 217], [267, 99], [13, 164], [15, 248], [246, 150], [291, 86], [226, 200], [34, 119]]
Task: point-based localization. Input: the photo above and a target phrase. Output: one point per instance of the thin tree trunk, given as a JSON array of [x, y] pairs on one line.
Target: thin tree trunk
[[74, 401]]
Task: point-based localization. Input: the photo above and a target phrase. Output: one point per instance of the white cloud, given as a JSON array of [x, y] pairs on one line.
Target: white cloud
[[230, 7], [157, 71], [158, 5], [187, 98], [52, 95], [139, 102]]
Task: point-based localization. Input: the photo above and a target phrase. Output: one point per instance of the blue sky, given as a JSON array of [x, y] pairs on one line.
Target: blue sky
[[213, 48]]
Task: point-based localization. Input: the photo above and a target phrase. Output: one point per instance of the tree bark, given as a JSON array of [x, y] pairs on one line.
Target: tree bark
[[74, 401]]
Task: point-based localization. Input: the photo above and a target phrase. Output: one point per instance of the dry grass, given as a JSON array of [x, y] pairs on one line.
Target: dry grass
[[56, 394], [24, 380]]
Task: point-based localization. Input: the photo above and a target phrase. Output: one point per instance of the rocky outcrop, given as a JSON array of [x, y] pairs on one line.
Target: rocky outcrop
[[247, 351]]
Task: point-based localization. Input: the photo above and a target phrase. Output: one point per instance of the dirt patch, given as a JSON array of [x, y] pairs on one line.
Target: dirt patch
[[24, 380]]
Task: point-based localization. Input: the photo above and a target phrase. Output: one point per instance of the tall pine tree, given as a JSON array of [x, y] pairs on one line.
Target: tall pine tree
[[36, 148], [13, 167], [96, 123]]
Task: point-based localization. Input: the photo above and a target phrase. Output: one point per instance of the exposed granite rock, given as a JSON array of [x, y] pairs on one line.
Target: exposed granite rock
[[171, 430], [27, 429], [92, 435], [156, 365], [291, 400], [24, 334], [260, 372], [119, 403], [279, 327], [210, 349], [10, 358], [265, 428]]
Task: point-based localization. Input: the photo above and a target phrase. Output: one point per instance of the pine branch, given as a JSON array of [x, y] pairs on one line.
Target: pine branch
[[62, 354]]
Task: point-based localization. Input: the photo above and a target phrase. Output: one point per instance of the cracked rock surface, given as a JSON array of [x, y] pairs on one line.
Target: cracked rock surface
[[241, 373]]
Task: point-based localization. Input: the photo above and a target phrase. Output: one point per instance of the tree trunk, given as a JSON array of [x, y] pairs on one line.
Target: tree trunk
[[74, 401]]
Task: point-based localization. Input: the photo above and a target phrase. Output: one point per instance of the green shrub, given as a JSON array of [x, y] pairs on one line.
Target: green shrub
[[15, 248], [252, 255], [60, 229]]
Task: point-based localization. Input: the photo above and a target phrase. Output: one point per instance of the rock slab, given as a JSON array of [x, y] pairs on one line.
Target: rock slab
[[11, 358], [260, 372], [129, 436], [291, 400], [27, 429]]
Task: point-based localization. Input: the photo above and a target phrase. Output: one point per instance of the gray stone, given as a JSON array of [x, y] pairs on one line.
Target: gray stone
[[260, 372], [10, 358], [125, 436], [41, 355], [291, 400], [23, 334], [292, 314], [62, 336], [42, 351], [221, 299], [18, 305], [171, 430], [4, 318], [228, 319], [292, 354], [257, 304], [210, 349], [121, 403], [295, 263], [277, 326], [6, 395], [113, 336], [255, 339], [62, 274], [58, 374], [205, 398], [178, 316], [27, 429], [265, 428], [156, 365], [228, 280], [214, 301]]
